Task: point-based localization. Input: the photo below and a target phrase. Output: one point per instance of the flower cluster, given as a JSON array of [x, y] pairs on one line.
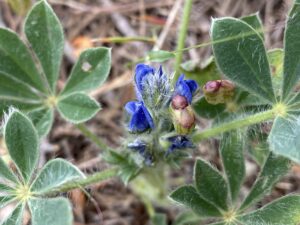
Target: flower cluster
[[149, 116]]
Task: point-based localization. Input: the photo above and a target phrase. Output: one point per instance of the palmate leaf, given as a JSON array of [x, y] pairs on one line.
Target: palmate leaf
[[241, 56], [28, 79]]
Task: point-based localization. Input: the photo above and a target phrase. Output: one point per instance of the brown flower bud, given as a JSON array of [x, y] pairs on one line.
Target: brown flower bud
[[212, 86], [179, 102], [183, 120], [218, 91]]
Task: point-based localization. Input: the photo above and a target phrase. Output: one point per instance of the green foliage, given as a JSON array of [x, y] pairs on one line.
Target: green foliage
[[23, 187], [233, 162], [28, 81], [189, 196], [241, 56], [206, 176], [282, 211], [56, 211], [212, 187], [291, 66]]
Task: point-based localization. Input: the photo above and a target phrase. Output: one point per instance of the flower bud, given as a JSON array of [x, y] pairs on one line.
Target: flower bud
[[179, 102], [218, 91], [183, 120]]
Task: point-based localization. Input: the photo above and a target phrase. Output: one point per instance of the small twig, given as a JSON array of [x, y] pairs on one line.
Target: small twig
[[171, 18]]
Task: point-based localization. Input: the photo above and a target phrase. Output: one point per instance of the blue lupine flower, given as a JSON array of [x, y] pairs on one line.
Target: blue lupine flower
[[179, 142], [152, 86], [141, 147], [185, 88], [141, 119], [142, 71]]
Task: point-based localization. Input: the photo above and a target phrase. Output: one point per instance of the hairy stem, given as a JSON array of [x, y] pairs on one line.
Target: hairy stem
[[182, 35], [94, 138], [81, 183], [240, 123]]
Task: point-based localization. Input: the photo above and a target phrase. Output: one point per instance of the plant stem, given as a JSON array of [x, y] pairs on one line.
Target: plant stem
[[97, 140], [182, 35], [244, 122], [124, 39], [80, 183]]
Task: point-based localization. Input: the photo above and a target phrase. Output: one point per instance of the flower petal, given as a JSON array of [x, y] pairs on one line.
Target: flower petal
[[192, 85], [142, 70]]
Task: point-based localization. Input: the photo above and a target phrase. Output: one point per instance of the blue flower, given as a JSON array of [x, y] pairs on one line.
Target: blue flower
[[141, 147], [141, 119], [152, 86], [141, 72], [185, 88], [179, 142]]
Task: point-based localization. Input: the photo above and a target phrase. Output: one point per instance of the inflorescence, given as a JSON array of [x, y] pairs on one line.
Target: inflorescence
[[161, 118]]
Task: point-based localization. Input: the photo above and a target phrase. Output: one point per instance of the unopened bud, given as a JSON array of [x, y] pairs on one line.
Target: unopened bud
[[212, 86], [218, 91], [183, 120], [179, 102]]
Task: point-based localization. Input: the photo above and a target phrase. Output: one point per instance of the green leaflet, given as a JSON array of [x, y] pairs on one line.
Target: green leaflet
[[210, 184], [282, 211], [56, 211], [255, 22], [90, 71], [78, 107], [45, 34], [54, 174], [241, 56], [16, 217], [291, 66], [233, 161], [6, 173], [17, 63], [24, 152], [284, 138], [188, 196], [274, 168]]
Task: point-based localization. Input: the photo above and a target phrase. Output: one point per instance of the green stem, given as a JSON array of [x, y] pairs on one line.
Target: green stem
[[97, 140], [124, 39], [182, 35], [81, 183], [240, 123]]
